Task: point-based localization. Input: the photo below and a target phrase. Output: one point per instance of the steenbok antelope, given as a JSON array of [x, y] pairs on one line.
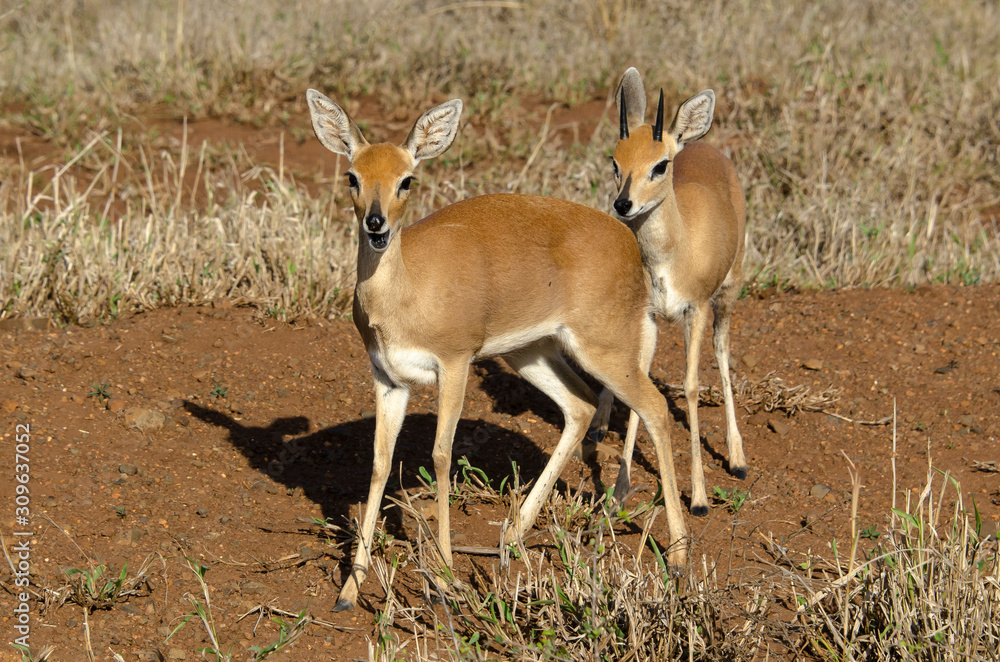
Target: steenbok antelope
[[684, 202], [521, 277]]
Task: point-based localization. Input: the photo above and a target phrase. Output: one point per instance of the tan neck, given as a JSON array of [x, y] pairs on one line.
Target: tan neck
[[661, 233], [382, 280]]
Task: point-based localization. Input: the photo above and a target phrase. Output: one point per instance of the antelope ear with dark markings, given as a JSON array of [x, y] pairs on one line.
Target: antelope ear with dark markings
[[434, 131], [694, 118], [333, 126]]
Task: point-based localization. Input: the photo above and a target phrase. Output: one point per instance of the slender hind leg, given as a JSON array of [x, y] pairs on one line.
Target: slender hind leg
[[723, 306], [627, 375], [694, 332], [543, 365], [624, 483]]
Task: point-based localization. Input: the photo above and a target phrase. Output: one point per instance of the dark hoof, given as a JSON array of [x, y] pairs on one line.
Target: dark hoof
[[739, 472], [596, 435], [699, 511], [342, 605]]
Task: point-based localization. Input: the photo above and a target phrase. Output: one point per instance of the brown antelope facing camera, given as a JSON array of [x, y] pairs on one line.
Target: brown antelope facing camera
[[684, 202], [521, 277]]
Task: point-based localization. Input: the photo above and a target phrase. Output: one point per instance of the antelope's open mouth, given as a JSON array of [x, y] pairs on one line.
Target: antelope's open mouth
[[378, 240]]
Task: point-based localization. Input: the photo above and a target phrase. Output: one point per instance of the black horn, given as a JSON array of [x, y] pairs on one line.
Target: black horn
[[658, 128], [622, 118]]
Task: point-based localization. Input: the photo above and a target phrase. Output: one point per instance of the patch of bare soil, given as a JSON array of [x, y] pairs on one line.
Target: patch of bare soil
[[226, 433]]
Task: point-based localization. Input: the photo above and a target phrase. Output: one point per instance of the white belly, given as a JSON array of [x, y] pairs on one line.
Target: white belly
[[406, 366], [503, 344]]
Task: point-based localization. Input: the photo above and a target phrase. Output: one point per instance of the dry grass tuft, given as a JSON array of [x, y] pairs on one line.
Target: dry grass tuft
[[69, 255], [929, 590]]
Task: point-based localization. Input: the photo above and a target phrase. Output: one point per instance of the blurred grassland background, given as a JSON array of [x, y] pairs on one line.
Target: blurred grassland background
[[866, 134]]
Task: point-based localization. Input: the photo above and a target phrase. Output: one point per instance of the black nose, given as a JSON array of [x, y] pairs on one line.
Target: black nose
[[374, 223], [622, 206]]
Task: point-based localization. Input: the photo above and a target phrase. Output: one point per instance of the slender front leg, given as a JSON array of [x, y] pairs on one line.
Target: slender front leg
[[451, 394], [694, 331], [390, 409], [720, 336]]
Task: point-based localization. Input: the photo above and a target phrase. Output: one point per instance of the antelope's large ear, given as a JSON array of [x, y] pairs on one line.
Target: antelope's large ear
[[631, 91], [333, 126], [434, 131], [694, 118]]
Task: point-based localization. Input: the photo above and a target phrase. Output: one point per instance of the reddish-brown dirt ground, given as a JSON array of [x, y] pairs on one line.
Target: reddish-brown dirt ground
[[232, 481]]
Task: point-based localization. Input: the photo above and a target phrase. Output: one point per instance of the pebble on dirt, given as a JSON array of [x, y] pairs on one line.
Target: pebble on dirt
[[144, 419], [819, 490], [779, 427]]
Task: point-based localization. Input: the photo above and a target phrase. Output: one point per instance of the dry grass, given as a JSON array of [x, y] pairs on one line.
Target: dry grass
[[928, 590], [68, 255], [865, 134]]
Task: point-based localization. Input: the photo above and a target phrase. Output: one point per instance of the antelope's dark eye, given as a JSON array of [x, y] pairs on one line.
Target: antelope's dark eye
[[659, 169], [352, 181], [406, 183]]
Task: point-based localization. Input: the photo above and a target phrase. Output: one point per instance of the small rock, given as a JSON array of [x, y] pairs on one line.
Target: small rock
[[222, 303], [813, 364], [115, 405], [176, 654], [8, 406], [778, 426], [968, 420], [328, 376], [181, 420], [128, 469], [264, 486], [759, 419], [367, 413], [26, 373], [202, 511], [819, 490], [144, 419], [750, 361], [946, 368], [218, 343], [920, 350], [200, 375], [429, 510]]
